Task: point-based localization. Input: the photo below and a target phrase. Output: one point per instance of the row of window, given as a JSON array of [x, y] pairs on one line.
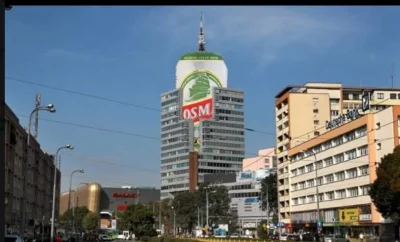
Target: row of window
[[244, 194], [231, 119], [232, 112], [174, 153], [332, 195], [229, 106], [329, 161], [230, 93], [175, 146], [175, 126], [328, 215], [221, 144], [334, 177], [170, 95], [174, 173], [352, 135]]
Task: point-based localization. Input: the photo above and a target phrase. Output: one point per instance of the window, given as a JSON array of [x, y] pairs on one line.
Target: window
[[294, 187], [352, 173], [294, 172], [310, 168], [381, 96], [356, 96], [310, 199], [321, 197], [316, 122], [393, 95], [364, 170], [338, 141], [319, 181], [352, 154], [319, 164], [315, 110], [328, 144], [339, 158], [340, 176], [334, 100], [301, 170], [329, 161], [334, 112], [329, 178], [302, 185], [363, 150], [316, 133], [310, 183], [302, 200], [315, 99], [350, 136], [341, 193], [365, 190], [353, 192], [330, 195], [295, 201]]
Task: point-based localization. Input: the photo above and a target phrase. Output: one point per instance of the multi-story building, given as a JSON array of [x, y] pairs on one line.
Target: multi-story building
[[200, 115], [341, 165], [266, 159], [244, 190], [302, 113], [39, 177]]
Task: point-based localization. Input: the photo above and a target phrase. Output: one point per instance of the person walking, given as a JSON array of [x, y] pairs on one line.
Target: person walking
[[361, 237]]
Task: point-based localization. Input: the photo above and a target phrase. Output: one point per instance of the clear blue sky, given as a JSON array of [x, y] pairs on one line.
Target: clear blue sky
[[129, 54]]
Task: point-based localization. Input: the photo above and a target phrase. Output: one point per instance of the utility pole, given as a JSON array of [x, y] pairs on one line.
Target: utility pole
[[207, 207], [159, 217], [267, 209], [198, 217], [154, 213]]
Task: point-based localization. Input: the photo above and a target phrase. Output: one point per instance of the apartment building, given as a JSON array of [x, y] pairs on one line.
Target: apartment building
[[266, 158], [302, 113], [341, 165], [39, 177]]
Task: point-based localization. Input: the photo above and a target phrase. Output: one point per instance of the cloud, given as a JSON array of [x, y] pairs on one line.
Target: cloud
[[263, 31], [61, 53]]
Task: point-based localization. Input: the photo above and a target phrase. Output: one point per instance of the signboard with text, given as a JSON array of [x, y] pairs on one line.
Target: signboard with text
[[351, 115], [124, 195], [349, 215]]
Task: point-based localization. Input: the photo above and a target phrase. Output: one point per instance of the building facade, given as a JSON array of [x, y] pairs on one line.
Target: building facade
[[200, 115], [38, 178], [108, 199], [302, 113], [266, 159]]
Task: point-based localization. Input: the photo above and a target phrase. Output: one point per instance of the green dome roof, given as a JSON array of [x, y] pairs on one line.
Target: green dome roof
[[201, 56]]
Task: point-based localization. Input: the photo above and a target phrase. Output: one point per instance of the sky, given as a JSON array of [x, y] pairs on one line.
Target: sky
[[129, 54]]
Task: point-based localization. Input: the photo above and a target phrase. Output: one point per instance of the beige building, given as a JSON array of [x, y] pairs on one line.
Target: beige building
[[39, 178], [266, 159], [302, 113]]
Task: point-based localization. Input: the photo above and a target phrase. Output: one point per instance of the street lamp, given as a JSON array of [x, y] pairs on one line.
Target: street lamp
[[70, 186], [53, 209], [173, 209], [207, 205], [49, 108], [316, 188]]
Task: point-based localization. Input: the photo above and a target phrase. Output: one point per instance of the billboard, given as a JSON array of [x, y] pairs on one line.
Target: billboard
[[196, 75], [108, 223]]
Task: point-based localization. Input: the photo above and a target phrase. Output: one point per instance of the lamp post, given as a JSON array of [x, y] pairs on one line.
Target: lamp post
[[173, 209], [316, 190], [53, 209], [70, 191], [49, 108], [207, 205]]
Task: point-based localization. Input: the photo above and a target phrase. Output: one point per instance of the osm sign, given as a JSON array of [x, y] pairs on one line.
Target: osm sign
[[198, 111]]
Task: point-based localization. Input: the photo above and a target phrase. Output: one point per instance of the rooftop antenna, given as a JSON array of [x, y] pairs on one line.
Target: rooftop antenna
[[38, 98], [202, 42]]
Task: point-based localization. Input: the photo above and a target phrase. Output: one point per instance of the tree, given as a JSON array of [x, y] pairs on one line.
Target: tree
[[90, 221], [80, 213], [138, 219], [167, 215], [185, 207], [385, 191], [269, 183], [219, 205]]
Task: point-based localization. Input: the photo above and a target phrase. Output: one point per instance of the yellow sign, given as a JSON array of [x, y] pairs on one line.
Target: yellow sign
[[349, 215]]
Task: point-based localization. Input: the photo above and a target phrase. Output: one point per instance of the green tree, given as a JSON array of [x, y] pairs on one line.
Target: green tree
[[90, 221], [269, 184], [167, 215], [185, 207], [385, 191], [261, 231], [80, 213], [139, 219], [218, 201]]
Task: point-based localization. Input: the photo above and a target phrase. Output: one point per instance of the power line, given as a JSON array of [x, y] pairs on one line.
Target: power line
[[83, 94]]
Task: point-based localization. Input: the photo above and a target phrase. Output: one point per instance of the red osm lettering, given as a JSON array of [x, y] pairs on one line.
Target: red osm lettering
[[125, 195], [198, 111]]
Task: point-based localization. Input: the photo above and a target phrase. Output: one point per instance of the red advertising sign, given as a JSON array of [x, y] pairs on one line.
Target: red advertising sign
[[122, 207], [124, 195], [198, 111]]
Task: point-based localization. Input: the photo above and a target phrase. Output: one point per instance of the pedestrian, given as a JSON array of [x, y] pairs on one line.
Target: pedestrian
[[361, 237]]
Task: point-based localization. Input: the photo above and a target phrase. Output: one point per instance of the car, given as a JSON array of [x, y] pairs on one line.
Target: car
[[13, 238], [308, 237], [336, 238], [283, 237], [293, 237]]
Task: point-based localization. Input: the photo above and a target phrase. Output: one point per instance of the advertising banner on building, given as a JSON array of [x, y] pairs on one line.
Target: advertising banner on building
[[105, 223], [197, 74]]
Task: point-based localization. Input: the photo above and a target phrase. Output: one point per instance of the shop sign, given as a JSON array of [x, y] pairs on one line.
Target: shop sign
[[124, 195], [351, 115], [365, 217], [349, 215]]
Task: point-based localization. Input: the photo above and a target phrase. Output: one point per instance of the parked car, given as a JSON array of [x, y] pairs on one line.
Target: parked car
[[308, 237], [336, 238], [13, 238], [293, 237]]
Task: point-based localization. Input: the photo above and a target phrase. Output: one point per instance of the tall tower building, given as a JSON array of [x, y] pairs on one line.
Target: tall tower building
[[200, 115]]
